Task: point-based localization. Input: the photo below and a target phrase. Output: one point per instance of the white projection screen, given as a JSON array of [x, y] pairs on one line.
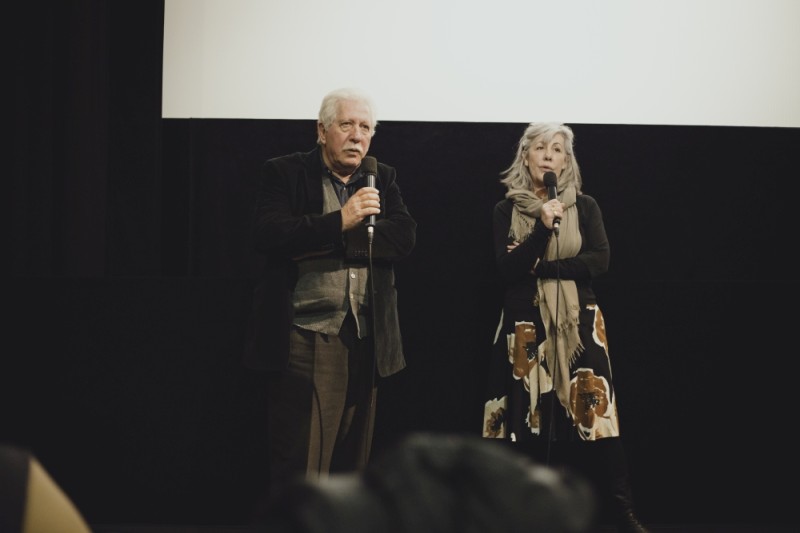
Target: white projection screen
[[671, 62]]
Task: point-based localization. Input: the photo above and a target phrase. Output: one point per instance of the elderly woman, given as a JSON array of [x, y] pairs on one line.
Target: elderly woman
[[551, 391]]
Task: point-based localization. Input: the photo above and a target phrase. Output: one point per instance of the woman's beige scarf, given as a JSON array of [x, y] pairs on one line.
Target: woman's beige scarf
[[558, 299]]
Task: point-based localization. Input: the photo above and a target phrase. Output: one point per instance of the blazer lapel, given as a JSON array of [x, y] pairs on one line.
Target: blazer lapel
[[312, 180]]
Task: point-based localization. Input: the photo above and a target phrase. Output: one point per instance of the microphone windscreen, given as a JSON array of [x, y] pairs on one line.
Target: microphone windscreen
[[550, 179], [369, 165]]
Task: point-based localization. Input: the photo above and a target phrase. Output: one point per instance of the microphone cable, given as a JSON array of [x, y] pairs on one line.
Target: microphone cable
[[319, 419], [554, 398], [370, 418], [371, 167]]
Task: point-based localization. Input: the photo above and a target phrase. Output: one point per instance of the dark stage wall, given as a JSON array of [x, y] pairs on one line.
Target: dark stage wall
[[130, 274]]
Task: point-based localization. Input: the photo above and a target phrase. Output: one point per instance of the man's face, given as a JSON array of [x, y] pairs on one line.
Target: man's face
[[346, 141]]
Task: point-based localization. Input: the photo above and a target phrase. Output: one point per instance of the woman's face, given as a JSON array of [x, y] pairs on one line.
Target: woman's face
[[544, 157]]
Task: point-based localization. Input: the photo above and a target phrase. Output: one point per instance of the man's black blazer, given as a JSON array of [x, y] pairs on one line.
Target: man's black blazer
[[289, 224]]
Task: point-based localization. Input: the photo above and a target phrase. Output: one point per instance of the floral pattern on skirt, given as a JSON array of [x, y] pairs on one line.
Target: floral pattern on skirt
[[519, 404]]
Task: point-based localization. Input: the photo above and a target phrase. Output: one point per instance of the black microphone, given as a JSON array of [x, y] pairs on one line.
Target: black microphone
[[370, 167], [550, 181]]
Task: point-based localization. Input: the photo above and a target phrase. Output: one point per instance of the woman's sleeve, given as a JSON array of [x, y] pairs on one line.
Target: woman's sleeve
[[520, 261]]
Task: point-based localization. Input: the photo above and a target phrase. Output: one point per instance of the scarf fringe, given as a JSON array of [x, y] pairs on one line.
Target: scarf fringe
[[575, 354]]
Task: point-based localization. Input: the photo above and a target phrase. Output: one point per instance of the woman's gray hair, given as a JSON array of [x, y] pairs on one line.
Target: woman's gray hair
[[329, 108], [517, 176]]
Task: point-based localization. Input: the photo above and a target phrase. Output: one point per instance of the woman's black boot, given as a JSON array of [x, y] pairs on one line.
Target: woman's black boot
[[604, 462], [622, 507]]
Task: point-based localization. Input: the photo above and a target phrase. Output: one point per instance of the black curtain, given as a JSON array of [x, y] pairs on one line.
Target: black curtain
[[86, 188]]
